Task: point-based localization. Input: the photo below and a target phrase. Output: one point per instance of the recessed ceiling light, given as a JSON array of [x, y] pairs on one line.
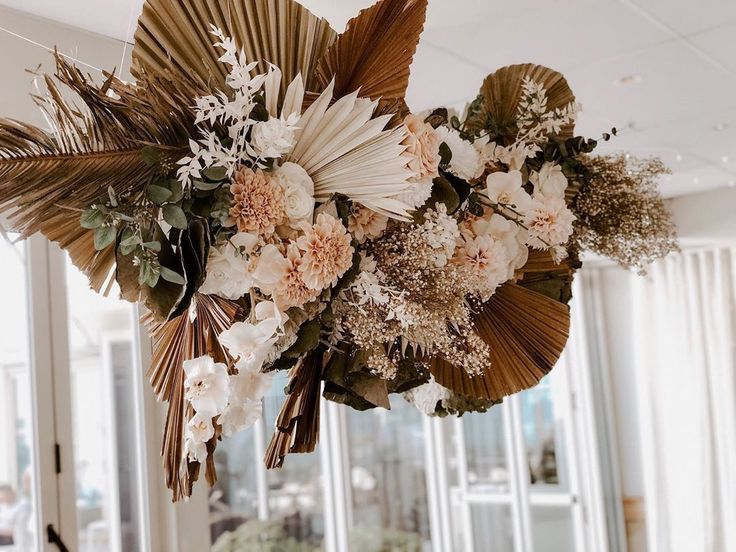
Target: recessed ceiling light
[[696, 180], [678, 157], [731, 183], [720, 127], [627, 80], [724, 159]]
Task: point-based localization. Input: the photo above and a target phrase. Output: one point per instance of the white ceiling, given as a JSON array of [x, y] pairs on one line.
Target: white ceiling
[[682, 54]]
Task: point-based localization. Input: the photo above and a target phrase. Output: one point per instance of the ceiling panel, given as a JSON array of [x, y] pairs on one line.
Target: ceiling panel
[[688, 16], [682, 88]]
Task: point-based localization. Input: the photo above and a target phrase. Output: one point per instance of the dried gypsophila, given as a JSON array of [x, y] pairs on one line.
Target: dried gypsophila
[[620, 213]]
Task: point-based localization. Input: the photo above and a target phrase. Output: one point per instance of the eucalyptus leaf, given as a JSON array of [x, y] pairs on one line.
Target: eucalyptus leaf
[[152, 245], [215, 173], [171, 276], [174, 216], [91, 219], [206, 186], [104, 236], [158, 194], [176, 189]]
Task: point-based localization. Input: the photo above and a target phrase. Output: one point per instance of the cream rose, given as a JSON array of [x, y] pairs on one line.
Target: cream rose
[[298, 192], [422, 147]]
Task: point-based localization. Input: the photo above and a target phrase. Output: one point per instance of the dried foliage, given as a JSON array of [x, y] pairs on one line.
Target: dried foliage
[[621, 214], [375, 52]]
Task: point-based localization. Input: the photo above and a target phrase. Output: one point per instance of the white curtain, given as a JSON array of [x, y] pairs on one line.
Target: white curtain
[[685, 328]]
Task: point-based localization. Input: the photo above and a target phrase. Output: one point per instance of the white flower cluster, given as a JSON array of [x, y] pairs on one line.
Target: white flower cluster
[[369, 288], [267, 139], [234, 401], [441, 233]]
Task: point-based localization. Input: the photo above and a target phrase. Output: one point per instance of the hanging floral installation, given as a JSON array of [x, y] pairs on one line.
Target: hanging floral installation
[[265, 192]]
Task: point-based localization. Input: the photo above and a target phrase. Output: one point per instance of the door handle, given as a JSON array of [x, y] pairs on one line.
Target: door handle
[[54, 538]]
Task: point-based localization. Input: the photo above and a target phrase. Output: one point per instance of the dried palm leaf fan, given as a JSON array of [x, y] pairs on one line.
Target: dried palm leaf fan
[[502, 90], [375, 52], [526, 332], [175, 36], [174, 342]]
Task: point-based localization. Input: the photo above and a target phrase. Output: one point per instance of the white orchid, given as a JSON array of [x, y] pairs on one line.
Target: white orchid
[[266, 310], [250, 343], [240, 416], [195, 451], [200, 428], [206, 385], [505, 189]]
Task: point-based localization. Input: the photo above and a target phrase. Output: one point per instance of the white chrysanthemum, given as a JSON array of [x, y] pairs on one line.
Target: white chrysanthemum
[[417, 194], [206, 385], [466, 162]]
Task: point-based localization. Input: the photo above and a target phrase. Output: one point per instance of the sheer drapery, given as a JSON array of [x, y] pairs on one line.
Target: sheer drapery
[[685, 333]]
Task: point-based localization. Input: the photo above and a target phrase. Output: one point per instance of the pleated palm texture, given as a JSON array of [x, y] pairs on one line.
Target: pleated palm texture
[[501, 93], [174, 342], [375, 52], [176, 36]]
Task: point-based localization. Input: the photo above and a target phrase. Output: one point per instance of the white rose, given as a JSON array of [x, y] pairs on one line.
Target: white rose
[[273, 138], [227, 268], [298, 192], [466, 161], [550, 181]]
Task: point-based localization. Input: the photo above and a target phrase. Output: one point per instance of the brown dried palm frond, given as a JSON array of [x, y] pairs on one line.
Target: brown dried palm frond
[[501, 92], [174, 342], [176, 36], [526, 333], [95, 142], [297, 427], [375, 52]]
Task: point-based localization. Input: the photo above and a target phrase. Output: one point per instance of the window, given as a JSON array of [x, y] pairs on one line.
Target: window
[[104, 420], [506, 480], [18, 504]]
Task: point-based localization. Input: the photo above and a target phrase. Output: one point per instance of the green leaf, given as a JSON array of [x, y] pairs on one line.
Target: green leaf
[[215, 173], [206, 186], [176, 189], [443, 192], [152, 245], [151, 156], [171, 276], [104, 236], [91, 219], [307, 339], [158, 194], [445, 154], [174, 216]]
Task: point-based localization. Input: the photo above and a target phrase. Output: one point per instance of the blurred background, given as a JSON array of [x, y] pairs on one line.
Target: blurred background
[[629, 444]]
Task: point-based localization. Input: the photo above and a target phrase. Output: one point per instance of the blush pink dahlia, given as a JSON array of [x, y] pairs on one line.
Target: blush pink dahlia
[[326, 252], [258, 201]]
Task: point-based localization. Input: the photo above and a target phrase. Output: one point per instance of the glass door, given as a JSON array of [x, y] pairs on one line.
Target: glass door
[[510, 477]]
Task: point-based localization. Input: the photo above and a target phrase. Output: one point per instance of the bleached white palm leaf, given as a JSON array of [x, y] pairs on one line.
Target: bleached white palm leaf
[[293, 99], [346, 151]]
